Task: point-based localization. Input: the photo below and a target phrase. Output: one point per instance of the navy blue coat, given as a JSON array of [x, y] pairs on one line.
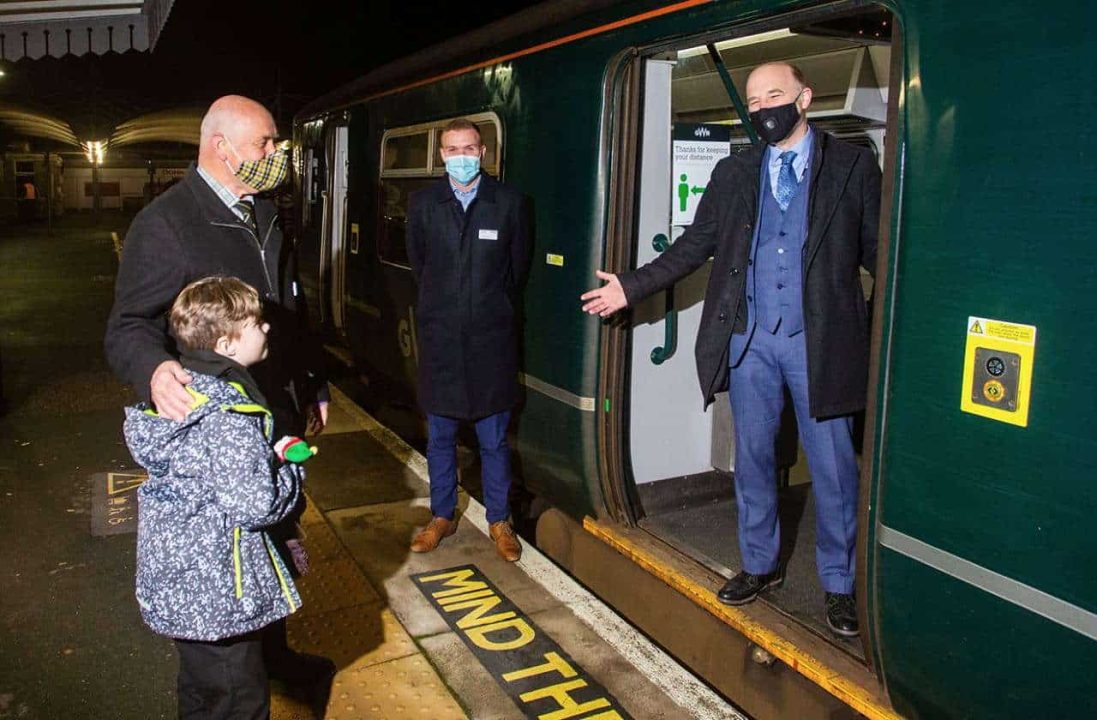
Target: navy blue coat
[[843, 215], [470, 267]]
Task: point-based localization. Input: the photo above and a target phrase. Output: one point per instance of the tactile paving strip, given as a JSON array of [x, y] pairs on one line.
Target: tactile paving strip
[[334, 584], [352, 637], [404, 688], [321, 542], [311, 515], [284, 707]]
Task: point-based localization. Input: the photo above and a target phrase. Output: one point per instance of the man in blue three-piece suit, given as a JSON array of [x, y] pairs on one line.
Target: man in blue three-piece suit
[[787, 224]]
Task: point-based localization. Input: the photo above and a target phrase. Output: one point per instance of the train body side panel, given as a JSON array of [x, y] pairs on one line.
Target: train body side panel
[[550, 132], [997, 221], [994, 217]]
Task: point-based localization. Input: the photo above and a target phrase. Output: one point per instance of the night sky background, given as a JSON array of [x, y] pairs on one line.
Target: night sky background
[[280, 52]]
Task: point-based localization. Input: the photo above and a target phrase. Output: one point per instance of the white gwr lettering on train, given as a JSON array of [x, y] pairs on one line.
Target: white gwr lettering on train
[[405, 335]]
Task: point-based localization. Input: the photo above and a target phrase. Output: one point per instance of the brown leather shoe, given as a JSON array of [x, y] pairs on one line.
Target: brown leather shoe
[[429, 537], [506, 542]]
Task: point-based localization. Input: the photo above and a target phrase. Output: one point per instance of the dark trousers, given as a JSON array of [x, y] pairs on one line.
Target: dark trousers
[[225, 679], [494, 464]]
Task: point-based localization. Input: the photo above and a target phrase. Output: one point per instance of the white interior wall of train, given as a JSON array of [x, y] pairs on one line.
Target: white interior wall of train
[[682, 87]]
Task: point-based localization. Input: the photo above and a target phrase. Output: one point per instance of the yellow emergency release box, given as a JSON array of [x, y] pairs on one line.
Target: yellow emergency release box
[[998, 370]]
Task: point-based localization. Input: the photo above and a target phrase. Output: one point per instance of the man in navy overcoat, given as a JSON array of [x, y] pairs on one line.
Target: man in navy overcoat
[[469, 245]]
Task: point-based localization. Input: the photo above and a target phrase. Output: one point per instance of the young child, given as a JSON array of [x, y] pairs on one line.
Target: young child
[[208, 575]]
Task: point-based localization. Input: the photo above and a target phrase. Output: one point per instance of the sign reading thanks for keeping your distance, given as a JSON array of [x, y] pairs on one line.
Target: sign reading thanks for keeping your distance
[[697, 149], [544, 682]]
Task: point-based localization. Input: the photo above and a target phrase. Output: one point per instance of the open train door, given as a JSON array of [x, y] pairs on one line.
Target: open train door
[[660, 322], [333, 241]]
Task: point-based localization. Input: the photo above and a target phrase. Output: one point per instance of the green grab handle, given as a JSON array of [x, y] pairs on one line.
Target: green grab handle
[[660, 355]]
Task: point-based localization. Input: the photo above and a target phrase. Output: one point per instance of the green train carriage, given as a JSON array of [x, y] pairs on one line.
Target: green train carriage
[[976, 585]]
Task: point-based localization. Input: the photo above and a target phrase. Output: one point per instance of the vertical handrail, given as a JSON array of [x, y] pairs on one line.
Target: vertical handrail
[[660, 355], [729, 86]]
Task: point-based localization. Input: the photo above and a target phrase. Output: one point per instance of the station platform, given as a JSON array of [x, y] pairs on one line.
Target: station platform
[[456, 633]]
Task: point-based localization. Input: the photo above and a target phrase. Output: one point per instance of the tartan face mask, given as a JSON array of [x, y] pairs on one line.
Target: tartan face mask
[[266, 174]]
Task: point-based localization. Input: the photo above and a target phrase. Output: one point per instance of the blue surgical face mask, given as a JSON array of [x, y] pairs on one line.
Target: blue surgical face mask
[[463, 168]]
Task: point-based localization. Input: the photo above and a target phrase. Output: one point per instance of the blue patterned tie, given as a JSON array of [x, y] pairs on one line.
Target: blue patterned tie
[[786, 180]]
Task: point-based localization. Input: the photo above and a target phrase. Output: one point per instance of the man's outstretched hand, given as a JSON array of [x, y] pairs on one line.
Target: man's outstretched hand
[[607, 299]]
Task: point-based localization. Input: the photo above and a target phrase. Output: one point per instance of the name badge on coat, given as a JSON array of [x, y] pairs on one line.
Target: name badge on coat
[[489, 234]]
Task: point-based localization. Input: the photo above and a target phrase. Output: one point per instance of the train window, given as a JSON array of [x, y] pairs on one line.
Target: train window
[[409, 162], [406, 153], [392, 236], [308, 172], [313, 183]]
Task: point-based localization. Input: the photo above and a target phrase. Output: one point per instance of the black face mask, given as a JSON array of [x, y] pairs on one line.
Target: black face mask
[[776, 123]]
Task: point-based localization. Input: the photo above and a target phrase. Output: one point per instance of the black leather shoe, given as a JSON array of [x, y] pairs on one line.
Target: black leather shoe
[[744, 587], [842, 614]]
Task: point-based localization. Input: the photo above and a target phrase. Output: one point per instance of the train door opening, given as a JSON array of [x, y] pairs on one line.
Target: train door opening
[[333, 240], [682, 457]]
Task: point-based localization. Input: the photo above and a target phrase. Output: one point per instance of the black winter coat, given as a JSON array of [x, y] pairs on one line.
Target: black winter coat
[[471, 267], [187, 234], [844, 212]]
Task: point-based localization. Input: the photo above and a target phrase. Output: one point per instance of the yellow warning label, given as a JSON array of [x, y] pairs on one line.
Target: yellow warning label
[[1011, 331], [557, 260], [997, 374]]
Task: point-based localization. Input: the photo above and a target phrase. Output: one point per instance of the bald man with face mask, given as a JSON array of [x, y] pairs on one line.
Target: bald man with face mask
[[219, 220], [788, 225]]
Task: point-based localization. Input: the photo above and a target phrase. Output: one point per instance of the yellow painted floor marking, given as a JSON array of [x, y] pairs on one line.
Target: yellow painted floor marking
[[121, 482], [833, 681], [381, 672]]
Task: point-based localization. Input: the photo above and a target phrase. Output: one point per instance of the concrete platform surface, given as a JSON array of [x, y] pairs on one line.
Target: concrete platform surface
[[72, 643]]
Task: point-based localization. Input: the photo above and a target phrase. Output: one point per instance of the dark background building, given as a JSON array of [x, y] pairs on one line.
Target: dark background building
[[143, 106]]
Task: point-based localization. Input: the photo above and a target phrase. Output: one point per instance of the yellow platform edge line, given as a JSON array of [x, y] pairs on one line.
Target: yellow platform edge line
[[826, 677]]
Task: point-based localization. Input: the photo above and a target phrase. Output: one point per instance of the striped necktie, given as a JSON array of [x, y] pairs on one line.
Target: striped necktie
[[246, 208], [786, 180]]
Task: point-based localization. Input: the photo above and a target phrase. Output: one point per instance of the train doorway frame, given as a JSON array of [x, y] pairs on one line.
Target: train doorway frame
[[625, 112], [333, 244]]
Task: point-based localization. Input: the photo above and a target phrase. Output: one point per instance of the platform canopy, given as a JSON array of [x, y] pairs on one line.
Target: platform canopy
[[180, 125], [36, 28], [165, 132], [35, 124]]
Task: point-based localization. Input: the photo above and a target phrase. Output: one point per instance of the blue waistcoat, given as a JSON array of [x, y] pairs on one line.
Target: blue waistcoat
[[778, 248], [775, 277]]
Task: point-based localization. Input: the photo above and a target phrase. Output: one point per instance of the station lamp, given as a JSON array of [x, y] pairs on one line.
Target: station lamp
[[95, 151]]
